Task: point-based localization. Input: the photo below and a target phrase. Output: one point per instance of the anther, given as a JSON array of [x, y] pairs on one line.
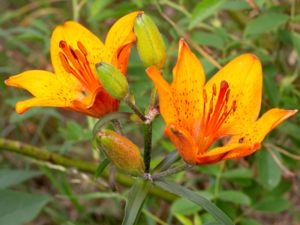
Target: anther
[[204, 96], [64, 62], [73, 52], [62, 44], [214, 88], [82, 48], [227, 95]]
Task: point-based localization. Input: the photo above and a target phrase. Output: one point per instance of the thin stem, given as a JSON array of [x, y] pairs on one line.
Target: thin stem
[[147, 146], [180, 8], [172, 171], [83, 166], [134, 108], [218, 179], [192, 43], [283, 151], [285, 170]]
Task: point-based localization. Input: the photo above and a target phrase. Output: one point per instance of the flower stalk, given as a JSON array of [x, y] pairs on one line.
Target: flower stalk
[[134, 108]]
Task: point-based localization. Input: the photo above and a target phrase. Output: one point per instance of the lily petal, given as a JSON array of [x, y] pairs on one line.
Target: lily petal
[[72, 33], [223, 152], [183, 141], [166, 99], [244, 77], [46, 87], [188, 83], [266, 123], [96, 104], [119, 38]]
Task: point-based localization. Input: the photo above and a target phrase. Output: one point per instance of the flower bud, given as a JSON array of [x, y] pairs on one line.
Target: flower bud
[[113, 81], [122, 152], [150, 44]]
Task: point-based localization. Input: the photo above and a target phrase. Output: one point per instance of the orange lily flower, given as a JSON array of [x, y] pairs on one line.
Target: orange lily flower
[[74, 53], [197, 115]]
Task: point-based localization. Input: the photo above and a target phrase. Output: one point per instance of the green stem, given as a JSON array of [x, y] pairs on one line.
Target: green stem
[[218, 179], [172, 171], [147, 146], [134, 108], [83, 166]]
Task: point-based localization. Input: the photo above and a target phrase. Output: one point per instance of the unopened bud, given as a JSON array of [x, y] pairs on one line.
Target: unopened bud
[[150, 44], [122, 152], [113, 81]]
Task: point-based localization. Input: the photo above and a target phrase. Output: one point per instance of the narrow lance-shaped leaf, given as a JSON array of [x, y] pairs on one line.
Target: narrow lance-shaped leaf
[[181, 191], [136, 198]]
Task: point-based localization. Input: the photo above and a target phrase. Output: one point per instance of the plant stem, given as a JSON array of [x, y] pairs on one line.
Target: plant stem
[[172, 171], [218, 179], [189, 40], [83, 166], [134, 108], [147, 146]]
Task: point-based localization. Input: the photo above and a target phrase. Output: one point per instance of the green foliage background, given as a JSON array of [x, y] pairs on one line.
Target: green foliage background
[[260, 189]]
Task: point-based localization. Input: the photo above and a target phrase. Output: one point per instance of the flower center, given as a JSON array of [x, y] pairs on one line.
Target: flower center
[[215, 112], [75, 62]]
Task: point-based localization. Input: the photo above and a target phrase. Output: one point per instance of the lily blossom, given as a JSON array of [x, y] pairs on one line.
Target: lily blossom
[[74, 53], [198, 115]]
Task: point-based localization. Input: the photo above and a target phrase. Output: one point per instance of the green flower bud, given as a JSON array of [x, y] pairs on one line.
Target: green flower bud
[[122, 152], [150, 44], [113, 81]]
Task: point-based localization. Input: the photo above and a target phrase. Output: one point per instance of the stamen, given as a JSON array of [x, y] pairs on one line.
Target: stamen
[[218, 112], [82, 48], [214, 88], [74, 61], [64, 62], [204, 96]]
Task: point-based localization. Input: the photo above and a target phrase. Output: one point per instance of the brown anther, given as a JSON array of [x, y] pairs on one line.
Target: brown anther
[[62, 44], [214, 89], [64, 62], [224, 85], [82, 48], [73, 52], [227, 95], [211, 106], [204, 96], [79, 56]]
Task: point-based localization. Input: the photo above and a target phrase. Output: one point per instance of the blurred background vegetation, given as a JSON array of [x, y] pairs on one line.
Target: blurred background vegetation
[[261, 189]]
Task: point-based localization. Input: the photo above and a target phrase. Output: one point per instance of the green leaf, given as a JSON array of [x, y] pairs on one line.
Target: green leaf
[[269, 173], [194, 197], [101, 167], [19, 208], [204, 9], [10, 178], [184, 220], [185, 207], [235, 197], [167, 161], [136, 197], [239, 173], [296, 42], [265, 23], [249, 222], [272, 204], [209, 39]]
